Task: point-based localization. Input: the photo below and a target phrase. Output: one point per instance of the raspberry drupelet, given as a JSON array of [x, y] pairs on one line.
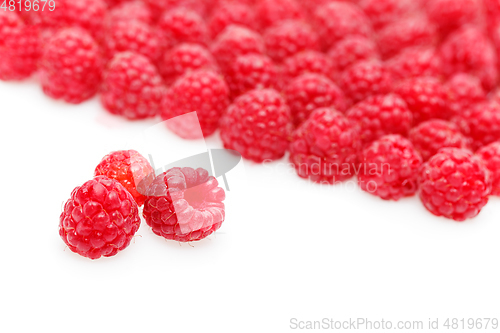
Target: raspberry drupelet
[[99, 219], [184, 204], [257, 125], [414, 62], [389, 168], [324, 149], [490, 157], [454, 184]]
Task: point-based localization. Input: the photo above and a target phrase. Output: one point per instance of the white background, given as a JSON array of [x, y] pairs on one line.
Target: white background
[[288, 249]]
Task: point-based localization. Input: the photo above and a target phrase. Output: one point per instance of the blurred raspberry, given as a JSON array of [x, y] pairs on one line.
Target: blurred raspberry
[[495, 96], [351, 50], [71, 66], [425, 97], [158, 7], [384, 12], [432, 135], [203, 91], [272, 12], [325, 147], [414, 62], [365, 79], [490, 157], [182, 25], [307, 62], [257, 125], [463, 91], [454, 184], [183, 58], [380, 115], [449, 15], [132, 87], [231, 13], [468, 50], [389, 168], [129, 11]]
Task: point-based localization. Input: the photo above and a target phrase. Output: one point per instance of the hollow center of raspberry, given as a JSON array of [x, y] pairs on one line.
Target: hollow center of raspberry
[[195, 196]]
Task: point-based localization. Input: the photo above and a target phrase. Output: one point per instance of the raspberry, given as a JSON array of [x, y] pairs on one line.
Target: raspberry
[[183, 58], [481, 123], [383, 12], [182, 25], [490, 157], [449, 15], [272, 12], [289, 38], [129, 11], [70, 66], [405, 33], [337, 20], [432, 135], [425, 97], [257, 125], [99, 219], [413, 62], [202, 91], [352, 50], [463, 91], [454, 184], [158, 7], [495, 96], [468, 50], [310, 91], [380, 115], [365, 79], [235, 41], [184, 204], [325, 147], [132, 87], [389, 168], [231, 13], [251, 71], [307, 62], [130, 168], [134, 36]]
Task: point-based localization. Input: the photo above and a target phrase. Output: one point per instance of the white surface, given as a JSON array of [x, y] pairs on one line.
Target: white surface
[[288, 249]]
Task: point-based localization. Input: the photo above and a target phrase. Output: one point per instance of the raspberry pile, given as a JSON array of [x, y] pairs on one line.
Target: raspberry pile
[[408, 77]]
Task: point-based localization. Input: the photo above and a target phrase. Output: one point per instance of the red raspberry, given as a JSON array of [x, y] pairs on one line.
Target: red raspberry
[[130, 168], [99, 219], [389, 168], [158, 7], [365, 79], [202, 91], [257, 125], [337, 20], [463, 91], [182, 25], [129, 11], [481, 123], [495, 96], [413, 62], [272, 12], [490, 157], [426, 98], [384, 12], [235, 41], [454, 184], [351, 50], [405, 33], [449, 15], [70, 66], [134, 36], [432, 135], [251, 71], [184, 205], [132, 87], [231, 13], [289, 38], [307, 62], [468, 50], [183, 58], [309, 92], [380, 115], [325, 147]]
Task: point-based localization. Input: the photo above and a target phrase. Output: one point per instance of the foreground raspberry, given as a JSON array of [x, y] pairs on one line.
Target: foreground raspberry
[[352, 50], [325, 147], [490, 157], [184, 205], [257, 125], [426, 98], [202, 91], [182, 25], [183, 58], [130, 168], [430, 136], [454, 184], [414, 62], [71, 66], [308, 92], [307, 62], [449, 15], [389, 168], [231, 13], [462, 92], [380, 115], [132, 87], [272, 12], [99, 219]]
